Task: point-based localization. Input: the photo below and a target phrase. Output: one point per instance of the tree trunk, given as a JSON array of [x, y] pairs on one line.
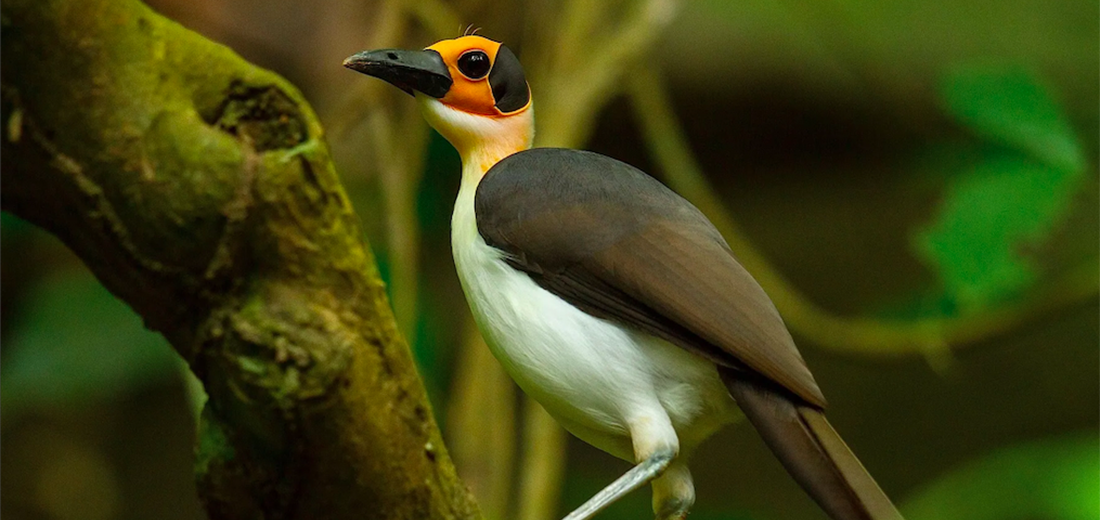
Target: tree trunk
[[198, 188]]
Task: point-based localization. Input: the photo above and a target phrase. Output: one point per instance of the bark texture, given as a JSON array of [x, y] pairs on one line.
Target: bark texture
[[198, 188]]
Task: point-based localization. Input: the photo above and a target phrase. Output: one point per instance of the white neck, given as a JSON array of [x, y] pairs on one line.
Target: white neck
[[481, 141]]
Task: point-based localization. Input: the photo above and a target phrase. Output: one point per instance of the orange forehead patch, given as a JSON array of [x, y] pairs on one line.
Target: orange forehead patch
[[474, 96]]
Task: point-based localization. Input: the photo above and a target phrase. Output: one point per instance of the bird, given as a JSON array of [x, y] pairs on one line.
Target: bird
[[613, 301]]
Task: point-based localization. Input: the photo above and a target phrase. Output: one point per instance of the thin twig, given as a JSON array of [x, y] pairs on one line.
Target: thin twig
[[389, 28], [481, 425], [544, 463], [574, 91], [400, 173]]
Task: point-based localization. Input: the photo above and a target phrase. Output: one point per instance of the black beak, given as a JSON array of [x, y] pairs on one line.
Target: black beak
[[406, 70]]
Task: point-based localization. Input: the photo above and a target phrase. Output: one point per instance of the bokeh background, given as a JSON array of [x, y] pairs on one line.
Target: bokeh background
[[914, 182]]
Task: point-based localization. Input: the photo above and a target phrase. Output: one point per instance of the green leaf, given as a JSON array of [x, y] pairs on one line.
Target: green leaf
[[1002, 205], [1011, 108], [1051, 479], [77, 343], [989, 218]]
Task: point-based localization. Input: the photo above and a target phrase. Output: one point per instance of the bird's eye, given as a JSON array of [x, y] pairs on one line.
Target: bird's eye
[[474, 64]]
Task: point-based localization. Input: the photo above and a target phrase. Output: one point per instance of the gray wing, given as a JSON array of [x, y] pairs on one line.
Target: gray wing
[[616, 243]]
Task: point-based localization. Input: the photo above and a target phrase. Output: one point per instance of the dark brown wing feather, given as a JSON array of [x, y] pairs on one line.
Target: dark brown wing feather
[[618, 244]]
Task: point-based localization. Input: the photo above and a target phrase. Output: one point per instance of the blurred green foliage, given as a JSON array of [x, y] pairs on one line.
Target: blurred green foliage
[[1004, 205], [78, 345], [1012, 107], [1050, 479]]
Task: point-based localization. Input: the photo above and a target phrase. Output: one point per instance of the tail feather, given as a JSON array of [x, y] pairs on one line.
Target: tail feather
[[811, 451]]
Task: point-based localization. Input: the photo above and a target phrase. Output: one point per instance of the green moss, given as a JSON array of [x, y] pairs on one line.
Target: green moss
[[263, 115]]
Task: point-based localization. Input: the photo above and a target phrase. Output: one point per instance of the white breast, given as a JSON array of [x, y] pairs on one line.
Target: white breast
[[592, 375]]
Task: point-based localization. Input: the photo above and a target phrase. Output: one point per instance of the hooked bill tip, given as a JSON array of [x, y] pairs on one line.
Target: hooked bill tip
[[357, 62]]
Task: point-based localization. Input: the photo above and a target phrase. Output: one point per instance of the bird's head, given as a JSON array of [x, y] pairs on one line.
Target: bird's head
[[472, 91]]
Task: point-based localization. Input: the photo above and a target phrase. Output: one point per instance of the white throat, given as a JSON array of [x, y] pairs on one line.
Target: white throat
[[481, 140]]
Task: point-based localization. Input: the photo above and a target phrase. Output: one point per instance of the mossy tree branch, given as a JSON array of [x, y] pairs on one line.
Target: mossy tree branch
[[199, 190]]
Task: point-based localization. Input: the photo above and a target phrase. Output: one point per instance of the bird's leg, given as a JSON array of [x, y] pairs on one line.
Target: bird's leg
[[655, 445], [637, 477]]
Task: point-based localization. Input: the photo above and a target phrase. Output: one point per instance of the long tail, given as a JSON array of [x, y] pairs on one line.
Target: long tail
[[811, 450]]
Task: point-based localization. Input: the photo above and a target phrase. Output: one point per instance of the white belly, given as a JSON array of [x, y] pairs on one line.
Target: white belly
[[592, 375]]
